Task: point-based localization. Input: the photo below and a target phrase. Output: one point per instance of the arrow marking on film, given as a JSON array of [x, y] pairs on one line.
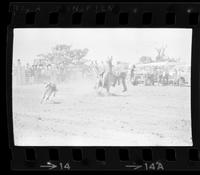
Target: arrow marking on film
[[134, 166], [49, 165]]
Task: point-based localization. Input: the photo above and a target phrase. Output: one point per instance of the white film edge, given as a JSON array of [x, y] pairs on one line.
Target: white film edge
[[102, 87]]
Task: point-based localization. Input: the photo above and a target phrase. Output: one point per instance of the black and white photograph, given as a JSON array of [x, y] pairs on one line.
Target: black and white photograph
[[101, 86]]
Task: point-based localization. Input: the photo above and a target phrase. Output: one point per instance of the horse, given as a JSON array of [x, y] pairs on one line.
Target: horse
[[108, 77]]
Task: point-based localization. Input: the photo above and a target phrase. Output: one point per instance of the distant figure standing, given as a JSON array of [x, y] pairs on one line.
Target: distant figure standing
[[27, 73], [20, 71], [165, 77], [132, 74], [175, 82]]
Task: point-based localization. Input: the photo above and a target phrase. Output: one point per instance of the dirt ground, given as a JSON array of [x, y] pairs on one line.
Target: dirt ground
[[79, 116]]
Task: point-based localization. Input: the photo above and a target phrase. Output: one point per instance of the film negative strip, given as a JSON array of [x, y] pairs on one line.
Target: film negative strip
[[67, 64]]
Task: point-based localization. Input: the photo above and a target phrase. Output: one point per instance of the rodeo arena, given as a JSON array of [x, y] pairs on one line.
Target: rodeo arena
[[78, 101]]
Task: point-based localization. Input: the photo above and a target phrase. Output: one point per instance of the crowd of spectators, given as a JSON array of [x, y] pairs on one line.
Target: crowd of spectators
[[39, 73]]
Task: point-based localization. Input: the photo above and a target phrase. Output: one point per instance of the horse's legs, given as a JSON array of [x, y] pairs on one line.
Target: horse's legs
[[118, 79], [106, 83], [115, 81], [108, 89], [124, 84]]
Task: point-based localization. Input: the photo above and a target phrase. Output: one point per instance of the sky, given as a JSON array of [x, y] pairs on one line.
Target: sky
[[125, 44]]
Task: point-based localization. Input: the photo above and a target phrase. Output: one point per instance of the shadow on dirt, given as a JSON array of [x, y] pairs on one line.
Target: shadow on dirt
[[56, 102], [119, 95], [112, 94]]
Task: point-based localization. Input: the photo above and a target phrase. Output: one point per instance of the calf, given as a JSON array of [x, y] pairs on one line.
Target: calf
[[50, 91]]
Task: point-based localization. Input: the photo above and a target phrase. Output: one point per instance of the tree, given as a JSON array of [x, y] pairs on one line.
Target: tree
[[64, 54], [145, 59], [161, 53]]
